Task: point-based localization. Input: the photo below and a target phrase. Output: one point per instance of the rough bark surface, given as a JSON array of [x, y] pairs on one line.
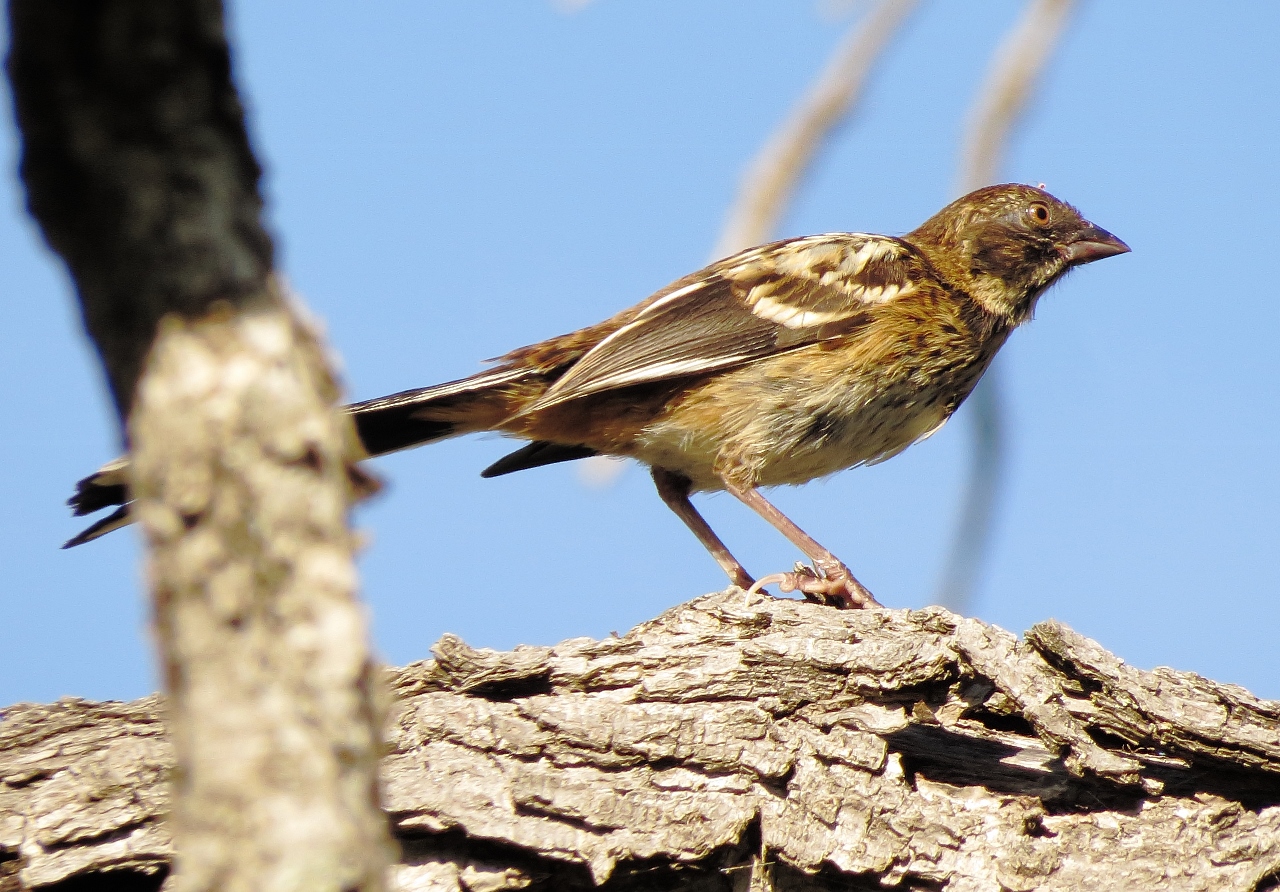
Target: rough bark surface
[[139, 170], [137, 163], [240, 473], [738, 743]]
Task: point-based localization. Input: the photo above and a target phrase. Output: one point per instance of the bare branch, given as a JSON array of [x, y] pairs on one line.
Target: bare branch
[[1006, 93], [1001, 103], [240, 473], [570, 6], [139, 171], [770, 182]]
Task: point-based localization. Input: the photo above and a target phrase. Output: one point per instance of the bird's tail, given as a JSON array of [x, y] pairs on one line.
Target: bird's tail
[[417, 417], [104, 488], [387, 424]]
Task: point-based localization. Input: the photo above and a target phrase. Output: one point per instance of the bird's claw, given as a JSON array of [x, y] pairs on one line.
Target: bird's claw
[[834, 586]]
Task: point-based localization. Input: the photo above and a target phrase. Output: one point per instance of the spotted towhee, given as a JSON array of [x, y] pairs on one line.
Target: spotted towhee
[[779, 364]]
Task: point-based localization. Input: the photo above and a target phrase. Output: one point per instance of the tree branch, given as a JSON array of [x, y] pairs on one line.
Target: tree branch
[[139, 171], [1002, 101], [1006, 93], [741, 742], [137, 164], [770, 182]]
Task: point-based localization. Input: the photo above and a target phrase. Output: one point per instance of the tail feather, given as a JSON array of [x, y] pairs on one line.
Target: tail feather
[[92, 494], [417, 417], [535, 455], [104, 488], [387, 424], [121, 517], [392, 428]]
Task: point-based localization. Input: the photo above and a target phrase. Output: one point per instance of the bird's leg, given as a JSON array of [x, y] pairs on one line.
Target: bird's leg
[[674, 491], [835, 582]]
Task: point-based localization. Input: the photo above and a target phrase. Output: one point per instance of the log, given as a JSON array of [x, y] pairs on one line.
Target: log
[[738, 743]]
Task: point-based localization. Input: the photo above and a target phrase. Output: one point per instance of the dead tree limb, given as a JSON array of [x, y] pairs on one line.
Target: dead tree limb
[[139, 170], [1001, 102], [770, 183], [740, 743]]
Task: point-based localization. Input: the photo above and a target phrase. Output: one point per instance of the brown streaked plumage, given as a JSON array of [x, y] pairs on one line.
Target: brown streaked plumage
[[780, 364]]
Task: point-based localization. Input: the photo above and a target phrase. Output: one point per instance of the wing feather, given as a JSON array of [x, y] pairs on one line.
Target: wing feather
[[761, 302]]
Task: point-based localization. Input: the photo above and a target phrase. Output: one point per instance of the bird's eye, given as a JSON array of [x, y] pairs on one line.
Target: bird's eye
[[1039, 213]]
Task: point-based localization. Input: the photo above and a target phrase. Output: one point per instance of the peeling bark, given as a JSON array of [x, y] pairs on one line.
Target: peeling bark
[[739, 743]]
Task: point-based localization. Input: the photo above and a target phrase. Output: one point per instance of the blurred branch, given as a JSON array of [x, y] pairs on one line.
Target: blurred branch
[[1001, 103], [770, 182], [139, 171], [1004, 97]]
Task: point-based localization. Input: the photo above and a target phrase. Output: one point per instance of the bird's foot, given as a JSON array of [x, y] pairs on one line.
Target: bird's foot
[[834, 586]]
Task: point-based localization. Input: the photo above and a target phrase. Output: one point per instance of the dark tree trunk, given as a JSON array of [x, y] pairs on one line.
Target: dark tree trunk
[[139, 170]]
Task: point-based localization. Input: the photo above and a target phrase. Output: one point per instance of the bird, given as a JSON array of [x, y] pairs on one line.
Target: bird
[[777, 365]]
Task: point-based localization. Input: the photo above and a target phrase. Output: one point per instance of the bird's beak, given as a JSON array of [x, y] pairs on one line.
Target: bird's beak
[[1092, 243]]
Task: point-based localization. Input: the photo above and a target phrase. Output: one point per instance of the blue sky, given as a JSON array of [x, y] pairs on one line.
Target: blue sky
[[449, 181]]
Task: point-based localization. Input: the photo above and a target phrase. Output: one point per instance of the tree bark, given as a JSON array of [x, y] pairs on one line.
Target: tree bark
[[137, 164], [738, 743], [140, 173]]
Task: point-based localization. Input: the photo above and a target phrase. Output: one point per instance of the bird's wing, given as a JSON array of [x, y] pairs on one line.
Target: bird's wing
[[764, 301]]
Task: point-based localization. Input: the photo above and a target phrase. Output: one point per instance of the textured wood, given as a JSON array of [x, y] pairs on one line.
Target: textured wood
[[137, 164], [241, 472], [140, 173], [742, 743]]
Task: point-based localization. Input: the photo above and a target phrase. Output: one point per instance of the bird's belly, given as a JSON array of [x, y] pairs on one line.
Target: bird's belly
[[792, 441], [834, 443]]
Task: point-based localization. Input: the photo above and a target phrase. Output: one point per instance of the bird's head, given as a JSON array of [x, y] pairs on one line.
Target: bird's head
[[1006, 244]]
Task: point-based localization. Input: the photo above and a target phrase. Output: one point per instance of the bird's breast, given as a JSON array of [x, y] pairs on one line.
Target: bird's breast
[[801, 416]]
